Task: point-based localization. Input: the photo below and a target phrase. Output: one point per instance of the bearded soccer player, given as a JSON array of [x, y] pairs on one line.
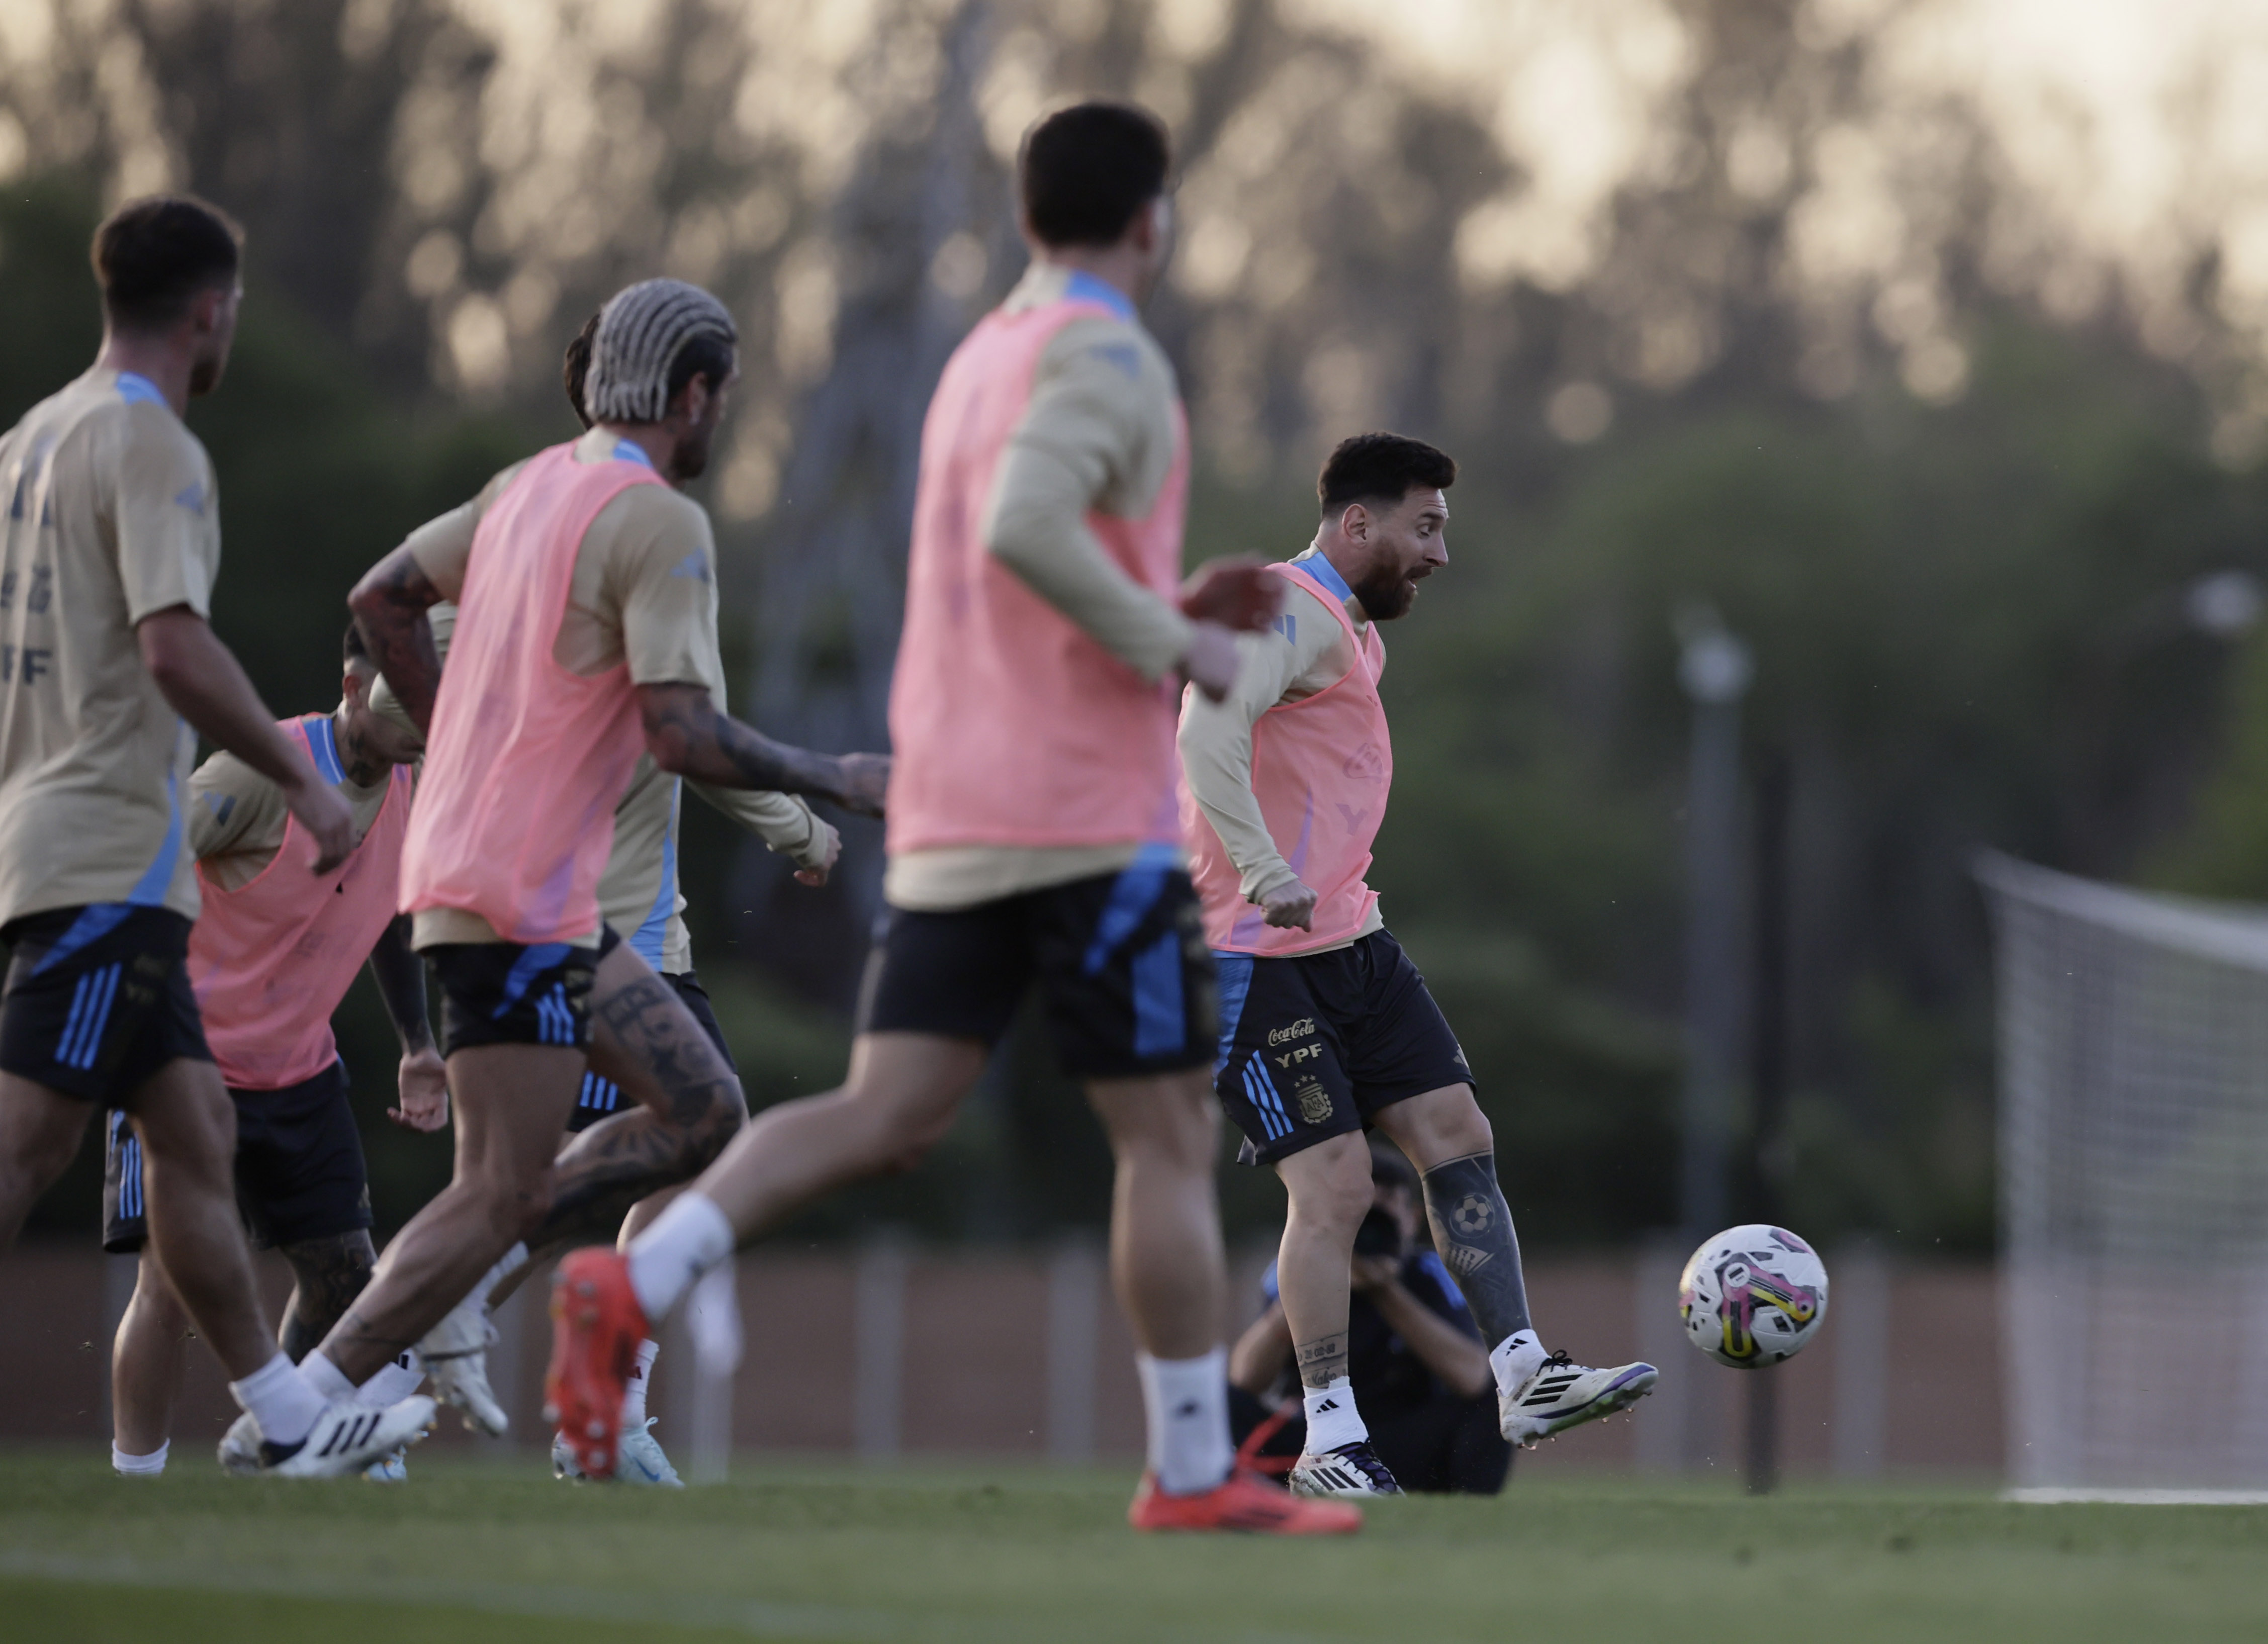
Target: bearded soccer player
[[586, 635], [1326, 1027], [1033, 834], [108, 667], [274, 950], [638, 894]]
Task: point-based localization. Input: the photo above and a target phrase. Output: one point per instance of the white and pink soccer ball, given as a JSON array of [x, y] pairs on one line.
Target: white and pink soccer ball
[[1752, 1296]]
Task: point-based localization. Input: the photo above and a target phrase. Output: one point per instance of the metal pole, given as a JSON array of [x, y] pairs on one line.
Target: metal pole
[[1714, 669], [1768, 1076]]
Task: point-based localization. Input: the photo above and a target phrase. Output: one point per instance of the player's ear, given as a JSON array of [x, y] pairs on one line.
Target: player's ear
[[1354, 524]]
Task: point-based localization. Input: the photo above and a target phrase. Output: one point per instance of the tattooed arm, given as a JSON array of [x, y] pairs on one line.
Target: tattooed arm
[[389, 606], [690, 737]]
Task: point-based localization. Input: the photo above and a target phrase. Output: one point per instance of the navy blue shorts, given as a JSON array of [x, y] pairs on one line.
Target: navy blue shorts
[[98, 999], [299, 1169], [602, 1098], [1312, 1046], [1120, 960]]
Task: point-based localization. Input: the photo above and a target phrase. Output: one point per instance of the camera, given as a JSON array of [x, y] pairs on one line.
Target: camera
[[1380, 1234]]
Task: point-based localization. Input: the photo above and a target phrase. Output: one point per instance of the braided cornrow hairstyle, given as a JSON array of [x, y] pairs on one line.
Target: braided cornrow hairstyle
[[651, 339]]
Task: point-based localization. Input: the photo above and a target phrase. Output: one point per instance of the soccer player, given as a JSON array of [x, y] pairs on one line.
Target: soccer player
[[273, 951], [107, 668], [637, 893], [585, 634], [1326, 1027], [1033, 833]]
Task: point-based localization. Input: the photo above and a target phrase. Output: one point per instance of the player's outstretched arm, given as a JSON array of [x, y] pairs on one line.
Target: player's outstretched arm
[[423, 1081], [202, 681], [389, 606], [688, 737]]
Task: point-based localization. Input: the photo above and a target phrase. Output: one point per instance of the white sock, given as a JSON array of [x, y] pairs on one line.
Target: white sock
[[685, 1242], [1332, 1419], [634, 1393], [510, 1263], [140, 1466], [280, 1400], [1514, 1358], [324, 1377], [1186, 1403], [393, 1383]]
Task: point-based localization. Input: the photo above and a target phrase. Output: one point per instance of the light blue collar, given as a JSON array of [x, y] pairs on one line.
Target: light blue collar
[[135, 388], [1317, 564], [631, 451], [1085, 288]]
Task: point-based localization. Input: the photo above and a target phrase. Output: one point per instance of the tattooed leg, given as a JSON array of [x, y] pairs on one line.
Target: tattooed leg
[[511, 1104], [1330, 1191], [328, 1274], [1447, 1138]]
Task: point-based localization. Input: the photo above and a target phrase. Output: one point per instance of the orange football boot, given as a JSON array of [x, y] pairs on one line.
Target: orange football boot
[[596, 1328], [1244, 1501]]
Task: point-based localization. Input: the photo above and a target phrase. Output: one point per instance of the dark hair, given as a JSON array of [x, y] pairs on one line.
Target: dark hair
[[1085, 170], [153, 255], [709, 357], [355, 649], [1389, 1167], [1381, 467], [577, 365]]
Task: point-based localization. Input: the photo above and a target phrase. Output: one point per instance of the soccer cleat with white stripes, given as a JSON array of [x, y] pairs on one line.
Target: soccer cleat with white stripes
[[456, 1356], [1352, 1469], [638, 1460], [346, 1438], [1562, 1394]]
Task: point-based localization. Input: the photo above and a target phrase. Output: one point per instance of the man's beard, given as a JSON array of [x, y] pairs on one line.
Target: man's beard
[[1386, 595], [688, 460], [204, 377]]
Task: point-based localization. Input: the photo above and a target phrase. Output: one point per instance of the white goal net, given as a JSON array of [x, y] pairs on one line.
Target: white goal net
[[2133, 1053]]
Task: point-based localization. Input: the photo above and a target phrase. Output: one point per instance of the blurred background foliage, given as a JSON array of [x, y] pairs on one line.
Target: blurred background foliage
[[1788, 310]]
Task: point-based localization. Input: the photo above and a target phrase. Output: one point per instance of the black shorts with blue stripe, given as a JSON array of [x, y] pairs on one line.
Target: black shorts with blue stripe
[[510, 993], [1120, 960], [1312, 1046], [300, 1168], [602, 1098], [98, 999]]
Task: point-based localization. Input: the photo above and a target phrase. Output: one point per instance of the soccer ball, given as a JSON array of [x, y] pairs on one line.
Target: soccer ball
[[1752, 1296]]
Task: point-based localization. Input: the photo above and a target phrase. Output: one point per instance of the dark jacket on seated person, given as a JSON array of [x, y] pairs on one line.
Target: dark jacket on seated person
[[1431, 1437]]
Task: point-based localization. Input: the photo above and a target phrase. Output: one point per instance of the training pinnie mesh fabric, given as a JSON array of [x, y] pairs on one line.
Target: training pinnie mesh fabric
[[642, 330]]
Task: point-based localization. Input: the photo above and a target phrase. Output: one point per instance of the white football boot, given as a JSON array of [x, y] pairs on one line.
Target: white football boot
[[638, 1459], [456, 1356], [346, 1438], [1562, 1394], [1351, 1470]]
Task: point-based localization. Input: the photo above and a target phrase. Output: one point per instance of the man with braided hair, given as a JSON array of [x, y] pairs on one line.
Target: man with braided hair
[[585, 636], [639, 896]]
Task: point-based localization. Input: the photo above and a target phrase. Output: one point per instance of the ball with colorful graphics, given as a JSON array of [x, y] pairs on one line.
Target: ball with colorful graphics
[[1752, 1296]]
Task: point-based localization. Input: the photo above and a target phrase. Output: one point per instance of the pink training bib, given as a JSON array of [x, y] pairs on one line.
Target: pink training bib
[[515, 811], [1009, 724], [1320, 769], [270, 961]]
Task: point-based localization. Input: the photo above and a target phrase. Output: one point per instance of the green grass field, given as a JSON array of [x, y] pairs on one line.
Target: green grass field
[[996, 1555]]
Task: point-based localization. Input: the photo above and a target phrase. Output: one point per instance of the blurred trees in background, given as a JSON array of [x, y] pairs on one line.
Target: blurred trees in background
[[1845, 318]]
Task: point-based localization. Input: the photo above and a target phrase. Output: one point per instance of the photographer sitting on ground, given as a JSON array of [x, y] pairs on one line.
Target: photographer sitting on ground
[[1413, 1350]]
